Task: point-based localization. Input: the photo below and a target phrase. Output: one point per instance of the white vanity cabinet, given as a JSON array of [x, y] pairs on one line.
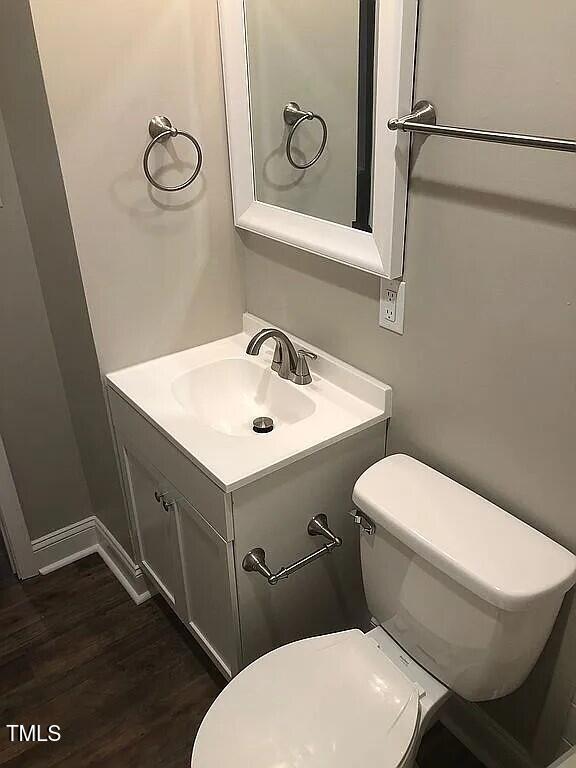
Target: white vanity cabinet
[[207, 563], [154, 524], [183, 542], [187, 560], [189, 563], [192, 527]]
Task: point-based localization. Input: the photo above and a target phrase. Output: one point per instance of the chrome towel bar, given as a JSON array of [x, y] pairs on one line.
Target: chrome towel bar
[[160, 129], [255, 560], [423, 120]]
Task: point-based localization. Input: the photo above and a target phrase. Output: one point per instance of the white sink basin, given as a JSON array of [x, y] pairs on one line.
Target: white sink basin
[[205, 399], [229, 394]]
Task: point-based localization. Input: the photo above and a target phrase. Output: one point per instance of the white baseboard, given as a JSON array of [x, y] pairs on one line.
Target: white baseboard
[[65, 545], [84, 538], [128, 573], [483, 736]]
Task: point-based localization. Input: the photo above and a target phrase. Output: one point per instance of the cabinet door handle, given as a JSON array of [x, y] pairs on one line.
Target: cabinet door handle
[[162, 498]]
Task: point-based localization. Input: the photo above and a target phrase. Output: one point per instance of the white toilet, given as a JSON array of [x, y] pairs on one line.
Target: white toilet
[[463, 596]]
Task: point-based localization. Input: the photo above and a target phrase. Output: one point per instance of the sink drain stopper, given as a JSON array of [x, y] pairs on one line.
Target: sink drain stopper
[[263, 424]]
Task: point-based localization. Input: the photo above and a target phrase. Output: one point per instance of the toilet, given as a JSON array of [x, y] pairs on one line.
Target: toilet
[[463, 597]]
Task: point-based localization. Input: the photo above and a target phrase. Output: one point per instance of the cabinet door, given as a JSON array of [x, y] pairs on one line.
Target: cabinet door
[[154, 524], [207, 570]]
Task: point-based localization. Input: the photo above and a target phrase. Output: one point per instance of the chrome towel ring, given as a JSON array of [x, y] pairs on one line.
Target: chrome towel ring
[[160, 129], [294, 116]]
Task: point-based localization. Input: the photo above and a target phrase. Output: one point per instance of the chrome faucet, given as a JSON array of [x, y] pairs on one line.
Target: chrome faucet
[[289, 363]]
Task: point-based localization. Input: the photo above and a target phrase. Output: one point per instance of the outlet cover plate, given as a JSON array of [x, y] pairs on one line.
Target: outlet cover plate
[[392, 308]]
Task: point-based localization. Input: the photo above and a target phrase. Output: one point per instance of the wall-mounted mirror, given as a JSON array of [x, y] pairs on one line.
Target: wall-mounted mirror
[[309, 90], [310, 71]]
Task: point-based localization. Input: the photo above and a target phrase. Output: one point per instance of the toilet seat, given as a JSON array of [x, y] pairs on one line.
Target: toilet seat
[[332, 701]]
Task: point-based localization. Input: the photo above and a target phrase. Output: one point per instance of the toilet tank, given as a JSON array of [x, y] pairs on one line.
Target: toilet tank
[[468, 590]]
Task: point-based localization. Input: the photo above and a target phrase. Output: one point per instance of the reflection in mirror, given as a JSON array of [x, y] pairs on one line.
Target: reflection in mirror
[[311, 74]]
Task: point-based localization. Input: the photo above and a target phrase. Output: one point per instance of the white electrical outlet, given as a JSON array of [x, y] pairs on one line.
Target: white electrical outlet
[[388, 304], [392, 297]]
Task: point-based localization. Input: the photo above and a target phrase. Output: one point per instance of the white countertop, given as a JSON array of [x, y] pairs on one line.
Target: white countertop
[[343, 401]]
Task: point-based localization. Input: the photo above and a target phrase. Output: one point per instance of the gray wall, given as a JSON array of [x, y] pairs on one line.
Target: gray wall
[[160, 269], [31, 139], [484, 376], [35, 421]]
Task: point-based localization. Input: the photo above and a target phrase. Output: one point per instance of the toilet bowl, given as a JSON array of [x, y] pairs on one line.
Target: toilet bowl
[[463, 596], [339, 700]]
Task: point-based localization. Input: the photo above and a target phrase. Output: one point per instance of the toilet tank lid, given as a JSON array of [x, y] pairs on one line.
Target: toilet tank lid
[[476, 543]]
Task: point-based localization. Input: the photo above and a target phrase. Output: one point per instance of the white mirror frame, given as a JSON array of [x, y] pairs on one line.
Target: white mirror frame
[[380, 252]]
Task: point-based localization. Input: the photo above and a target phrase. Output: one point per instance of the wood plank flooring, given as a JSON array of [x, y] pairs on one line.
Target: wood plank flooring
[[127, 685]]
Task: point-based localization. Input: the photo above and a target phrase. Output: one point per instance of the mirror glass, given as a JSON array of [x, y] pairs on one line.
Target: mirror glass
[[311, 80]]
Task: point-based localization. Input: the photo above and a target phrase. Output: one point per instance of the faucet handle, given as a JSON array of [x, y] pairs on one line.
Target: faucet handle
[[302, 373]]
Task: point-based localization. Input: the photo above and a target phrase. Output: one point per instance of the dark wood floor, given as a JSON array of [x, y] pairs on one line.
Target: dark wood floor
[[127, 685]]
